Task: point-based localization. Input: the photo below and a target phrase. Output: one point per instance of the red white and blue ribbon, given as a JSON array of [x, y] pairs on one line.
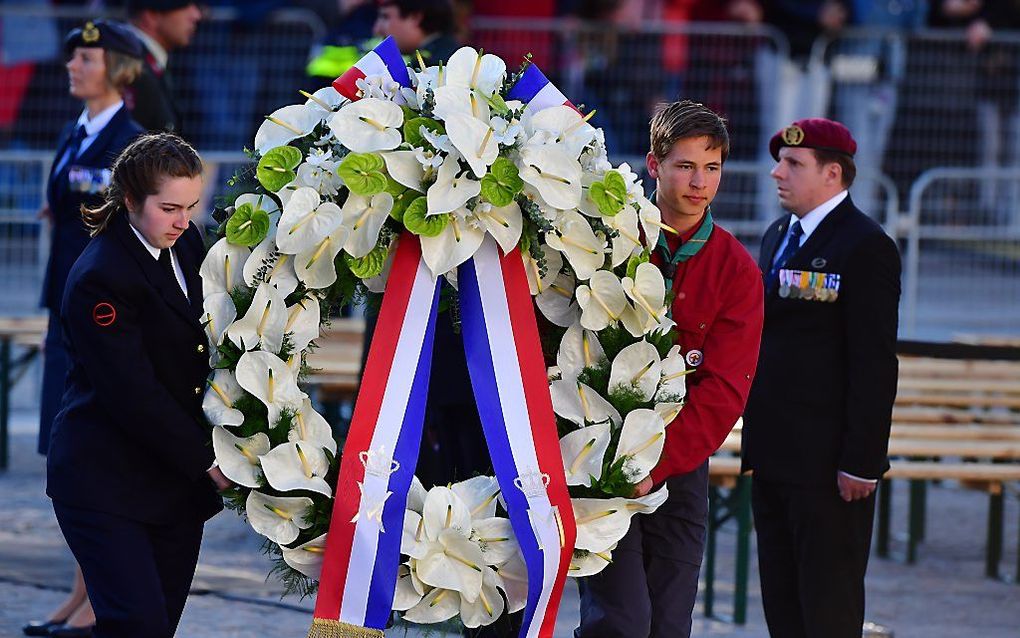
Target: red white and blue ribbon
[[536, 91], [508, 376], [384, 60]]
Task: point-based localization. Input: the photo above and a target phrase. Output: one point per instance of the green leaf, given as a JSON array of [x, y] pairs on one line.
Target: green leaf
[[401, 202], [370, 265], [497, 104], [610, 194], [502, 183], [247, 226], [276, 168], [412, 129], [418, 223], [636, 260], [364, 173], [408, 112]]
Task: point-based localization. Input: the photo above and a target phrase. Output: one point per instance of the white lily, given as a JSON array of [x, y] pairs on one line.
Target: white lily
[[673, 384], [583, 452], [223, 267], [404, 168], [315, 266], [538, 282], [557, 301], [513, 575], [405, 595], [474, 139], [458, 242], [579, 349], [309, 427], [268, 378], [580, 404], [302, 322], [365, 216], [307, 557], [306, 220], [487, 607], [641, 441], [495, 537], [218, 402], [602, 301], [284, 125], [628, 239], [553, 173], [452, 189], [263, 324], [636, 367], [368, 125], [278, 518], [469, 68], [218, 313], [297, 466], [568, 128], [437, 606], [478, 494], [647, 290], [574, 238], [504, 223], [237, 457]]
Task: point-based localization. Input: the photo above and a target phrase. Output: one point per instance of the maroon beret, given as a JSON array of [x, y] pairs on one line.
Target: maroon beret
[[814, 132]]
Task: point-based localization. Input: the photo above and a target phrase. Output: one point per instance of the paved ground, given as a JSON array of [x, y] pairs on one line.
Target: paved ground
[[944, 596]]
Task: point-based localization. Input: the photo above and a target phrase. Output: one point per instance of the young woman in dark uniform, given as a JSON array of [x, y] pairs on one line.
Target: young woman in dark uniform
[[102, 59], [130, 468]]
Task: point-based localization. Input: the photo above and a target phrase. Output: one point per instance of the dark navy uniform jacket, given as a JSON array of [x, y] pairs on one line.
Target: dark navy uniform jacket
[[823, 396], [131, 438], [80, 181]]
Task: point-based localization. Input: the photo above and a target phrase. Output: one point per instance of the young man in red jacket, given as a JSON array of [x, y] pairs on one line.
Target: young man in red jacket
[[651, 585]]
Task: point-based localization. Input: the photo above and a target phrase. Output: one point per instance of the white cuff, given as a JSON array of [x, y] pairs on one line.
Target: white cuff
[[858, 478]]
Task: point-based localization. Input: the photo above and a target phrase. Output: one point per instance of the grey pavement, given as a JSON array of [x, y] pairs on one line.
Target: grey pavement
[[943, 596]]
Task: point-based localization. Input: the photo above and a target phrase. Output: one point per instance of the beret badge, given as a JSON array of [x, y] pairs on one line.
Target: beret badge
[[793, 135], [90, 34]]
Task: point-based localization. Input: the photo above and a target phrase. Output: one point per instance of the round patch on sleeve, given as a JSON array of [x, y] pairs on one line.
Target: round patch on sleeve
[[104, 314]]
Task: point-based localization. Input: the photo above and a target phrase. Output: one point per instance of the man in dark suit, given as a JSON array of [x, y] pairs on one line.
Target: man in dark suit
[[816, 427], [426, 26], [162, 26]]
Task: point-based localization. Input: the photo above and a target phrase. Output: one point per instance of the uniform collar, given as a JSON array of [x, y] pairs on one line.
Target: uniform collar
[[159, 54], [149, 247], [809, 222], [99, 122]]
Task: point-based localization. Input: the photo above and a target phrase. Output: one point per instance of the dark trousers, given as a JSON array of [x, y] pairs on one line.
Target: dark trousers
[[56, 363], [137, 575], [812, 556], [650, 587]]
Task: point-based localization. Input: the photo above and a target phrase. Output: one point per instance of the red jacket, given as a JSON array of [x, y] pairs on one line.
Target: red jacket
[[719, 308]]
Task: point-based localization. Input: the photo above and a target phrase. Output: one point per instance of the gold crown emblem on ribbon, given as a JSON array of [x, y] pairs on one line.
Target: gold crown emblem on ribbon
[[793, 135], [90, 34]]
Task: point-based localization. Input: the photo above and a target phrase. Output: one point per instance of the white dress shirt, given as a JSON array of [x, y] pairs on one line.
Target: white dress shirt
[[178, 273], [93, 127]]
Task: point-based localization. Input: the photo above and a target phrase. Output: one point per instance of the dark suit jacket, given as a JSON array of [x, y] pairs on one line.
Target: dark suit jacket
[[68, 234], [822, 398], [150, 98], [131, 438]]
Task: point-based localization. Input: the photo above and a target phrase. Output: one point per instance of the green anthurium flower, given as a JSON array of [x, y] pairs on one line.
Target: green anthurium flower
[[363, 173], [371, 265], [276, 168], [610, 195], [417, 220], [247, 226], [502, 183]]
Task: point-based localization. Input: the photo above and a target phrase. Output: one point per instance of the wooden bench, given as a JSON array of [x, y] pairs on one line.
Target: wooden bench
[[26, 333]]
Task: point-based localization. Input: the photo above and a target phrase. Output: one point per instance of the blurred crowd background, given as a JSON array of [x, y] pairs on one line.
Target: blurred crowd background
[[931, 90]]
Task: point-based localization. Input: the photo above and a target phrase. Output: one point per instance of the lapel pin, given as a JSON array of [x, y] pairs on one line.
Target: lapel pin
[[818, 262]]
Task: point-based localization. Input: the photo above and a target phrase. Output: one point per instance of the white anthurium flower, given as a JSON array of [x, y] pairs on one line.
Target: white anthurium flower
[[311, 428], [413, 541], [553, 173], [445, 510], [456, 244], [538, 282], [297, 466], [285, 193], [263, 324], [504, 223], [284, 125], [647, 290], [513, 575], [569, 128], [237, 457], [268, 264], [557, 302], [583, 452], [315, 266], [268, 378], [637, 366], [673, 385], [437, 606], [259, 201], [453, 562], [602, 301], [278, 518], [579, 349], [469, 68], [219, 312], [405, 596], [324, 101], [474, 139], [218, 403], [584, 563], [306, 220], [404, 168], [478, 493], [628, 238], [416, 496], [377, 284], [451, 100], [302, 322], [223, 267], [574, 238], [495, 537], [580, 404], [368, 125], [601, 523], [307, 557], [651, 221], [668, 411], [487, 607], [641, 441], [452, 189]]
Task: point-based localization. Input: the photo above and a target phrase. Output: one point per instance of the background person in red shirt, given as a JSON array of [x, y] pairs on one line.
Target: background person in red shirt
[[651, 585]]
